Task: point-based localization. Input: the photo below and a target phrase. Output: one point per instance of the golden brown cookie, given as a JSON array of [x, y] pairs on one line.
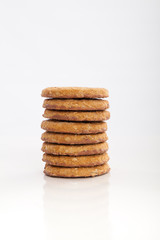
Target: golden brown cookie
[[74, 127], [73, 161], [76, 104], [95, 116], [74, 92], [64, 138], [74, 150], [76, 172]]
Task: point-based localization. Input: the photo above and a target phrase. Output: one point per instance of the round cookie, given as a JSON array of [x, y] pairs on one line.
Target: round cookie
[[74, 127], [64, 138], [95, 116], [74, 92], [73, 161], [76, 104], [74, 150], [76, 172]]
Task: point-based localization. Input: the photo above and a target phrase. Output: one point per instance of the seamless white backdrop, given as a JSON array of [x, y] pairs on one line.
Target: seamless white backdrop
[[110, 44]]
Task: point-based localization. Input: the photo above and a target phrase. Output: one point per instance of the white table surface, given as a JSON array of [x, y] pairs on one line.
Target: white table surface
[[121, 205]]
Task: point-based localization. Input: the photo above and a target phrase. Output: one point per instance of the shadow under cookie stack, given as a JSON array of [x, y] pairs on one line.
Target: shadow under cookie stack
[[75, 138]]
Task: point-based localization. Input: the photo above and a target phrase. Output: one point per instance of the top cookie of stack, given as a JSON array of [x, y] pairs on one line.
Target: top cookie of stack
[[76, 123]]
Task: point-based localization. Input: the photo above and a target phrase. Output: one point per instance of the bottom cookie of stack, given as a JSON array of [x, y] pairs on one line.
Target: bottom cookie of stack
[[76, 172]]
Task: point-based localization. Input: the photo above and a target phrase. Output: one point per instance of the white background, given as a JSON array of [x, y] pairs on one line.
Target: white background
[[111, 44]]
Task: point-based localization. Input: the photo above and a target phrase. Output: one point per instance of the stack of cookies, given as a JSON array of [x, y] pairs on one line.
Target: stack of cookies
[[75, 138]]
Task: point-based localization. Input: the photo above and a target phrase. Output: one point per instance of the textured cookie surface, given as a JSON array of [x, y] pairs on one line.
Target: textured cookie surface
[[74, 150], [76, 104], [75, 161], [74, 92], [74, 127], [76, 172], [77, 116], [64, 138]]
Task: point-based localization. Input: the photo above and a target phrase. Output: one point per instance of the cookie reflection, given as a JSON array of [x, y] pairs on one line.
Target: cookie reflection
[[76, 207]]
